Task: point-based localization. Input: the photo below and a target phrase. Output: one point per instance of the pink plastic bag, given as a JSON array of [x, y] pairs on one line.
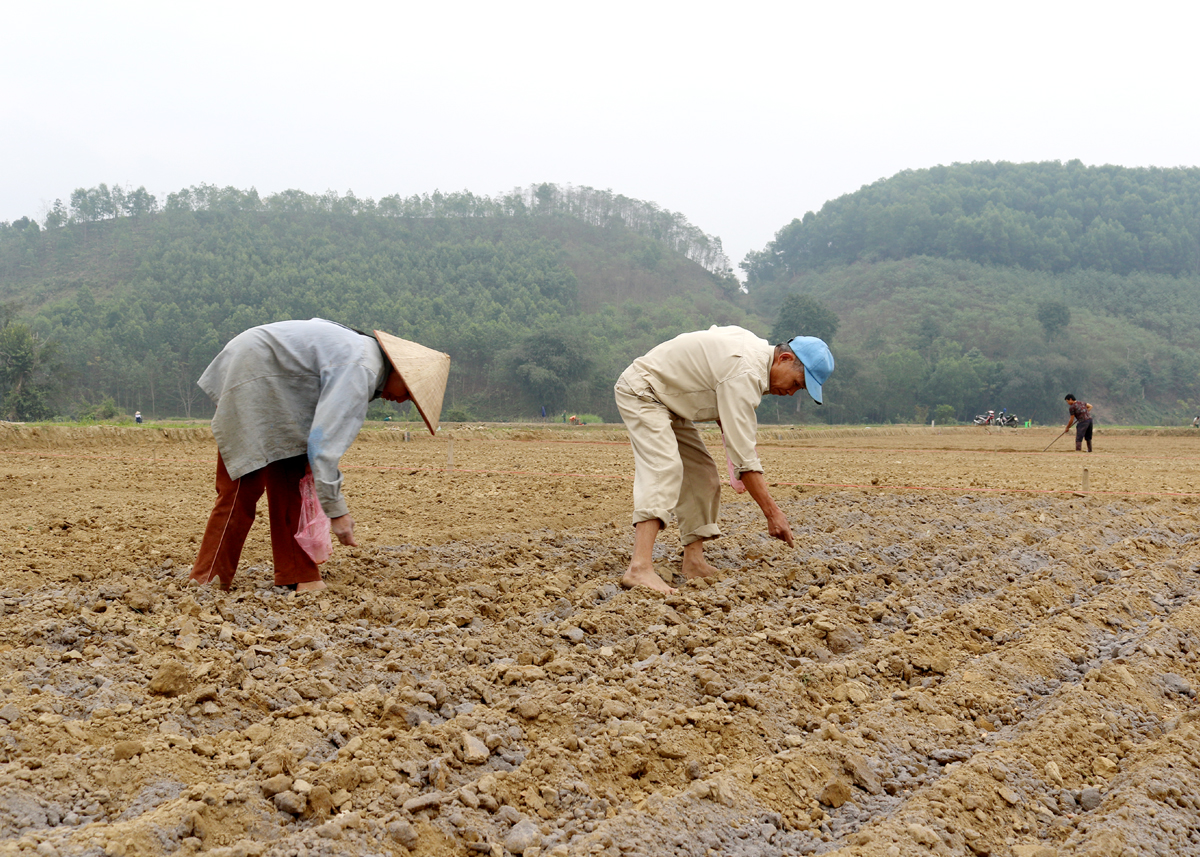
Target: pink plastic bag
[[736, 484], [313, 535]]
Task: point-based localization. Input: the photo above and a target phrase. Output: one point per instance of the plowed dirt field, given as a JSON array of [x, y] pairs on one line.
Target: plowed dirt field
[[965, 653]]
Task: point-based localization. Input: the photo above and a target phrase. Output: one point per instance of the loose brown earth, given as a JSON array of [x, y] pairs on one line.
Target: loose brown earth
[[964, 653]]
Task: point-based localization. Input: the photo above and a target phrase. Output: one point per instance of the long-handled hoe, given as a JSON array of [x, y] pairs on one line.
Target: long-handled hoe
[[1051, 443]]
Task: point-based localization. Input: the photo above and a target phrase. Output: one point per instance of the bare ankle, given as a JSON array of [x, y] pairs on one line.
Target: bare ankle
[[697, 568], [643, 574]]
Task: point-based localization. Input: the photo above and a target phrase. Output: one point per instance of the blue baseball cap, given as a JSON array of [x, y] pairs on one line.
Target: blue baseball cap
[[817, 360]]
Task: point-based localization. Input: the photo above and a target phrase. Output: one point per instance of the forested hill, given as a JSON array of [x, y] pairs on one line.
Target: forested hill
[[1041, 216], [943, 292], [984, 285], [540, 296]]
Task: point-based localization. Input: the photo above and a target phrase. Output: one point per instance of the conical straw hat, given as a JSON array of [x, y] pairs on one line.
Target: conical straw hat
[[423, 370]]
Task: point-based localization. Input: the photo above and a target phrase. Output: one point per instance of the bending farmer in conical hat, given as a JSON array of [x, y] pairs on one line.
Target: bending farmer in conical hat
[[291, 397], [717, 374]]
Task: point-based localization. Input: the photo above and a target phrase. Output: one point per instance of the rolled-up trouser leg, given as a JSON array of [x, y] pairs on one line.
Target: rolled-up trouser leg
[[668, 460], [292, 564], [228, 525]]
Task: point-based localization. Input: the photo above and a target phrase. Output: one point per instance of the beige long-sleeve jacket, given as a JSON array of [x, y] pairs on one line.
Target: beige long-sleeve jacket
[[717, 374]]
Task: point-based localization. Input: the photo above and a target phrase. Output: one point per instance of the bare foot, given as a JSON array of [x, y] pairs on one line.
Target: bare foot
[[310, 586], [645, 576], [693, 568]]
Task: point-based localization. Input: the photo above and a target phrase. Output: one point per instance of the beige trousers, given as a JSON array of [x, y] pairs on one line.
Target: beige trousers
[[672, 469]]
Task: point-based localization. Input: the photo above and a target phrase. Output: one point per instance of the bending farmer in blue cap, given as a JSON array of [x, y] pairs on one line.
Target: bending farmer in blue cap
[[717, 374]]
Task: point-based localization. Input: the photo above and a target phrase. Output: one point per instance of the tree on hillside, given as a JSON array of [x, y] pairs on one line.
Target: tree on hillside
[[959, 380], [547, 363], [1054, 317], [57, 215], [139, 202], [23, 223], [902, 373], [804, 315], [26, 371]]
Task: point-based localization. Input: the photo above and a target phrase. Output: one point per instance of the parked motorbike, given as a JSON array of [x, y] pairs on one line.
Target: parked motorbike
[[991, 418]]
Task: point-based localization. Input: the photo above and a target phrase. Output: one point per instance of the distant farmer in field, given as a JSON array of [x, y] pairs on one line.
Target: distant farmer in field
[[1080, 413], [291, 397], [717, 374]]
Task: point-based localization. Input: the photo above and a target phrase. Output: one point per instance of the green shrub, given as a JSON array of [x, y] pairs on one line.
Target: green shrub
[[106, 410]]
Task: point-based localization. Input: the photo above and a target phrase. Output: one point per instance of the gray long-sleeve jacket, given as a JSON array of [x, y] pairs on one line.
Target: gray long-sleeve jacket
[[290, 388]]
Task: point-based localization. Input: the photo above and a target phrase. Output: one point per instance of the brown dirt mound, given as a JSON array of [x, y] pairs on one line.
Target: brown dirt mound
[[964, 654]]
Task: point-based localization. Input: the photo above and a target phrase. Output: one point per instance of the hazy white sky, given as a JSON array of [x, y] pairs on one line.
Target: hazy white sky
[[739, 115]]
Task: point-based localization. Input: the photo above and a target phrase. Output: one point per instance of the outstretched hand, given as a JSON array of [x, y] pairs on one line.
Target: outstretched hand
[[343, 527], [777, 522], [779, 528]]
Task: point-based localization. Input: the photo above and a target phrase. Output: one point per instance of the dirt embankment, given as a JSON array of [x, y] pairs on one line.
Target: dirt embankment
[[964, 654]]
